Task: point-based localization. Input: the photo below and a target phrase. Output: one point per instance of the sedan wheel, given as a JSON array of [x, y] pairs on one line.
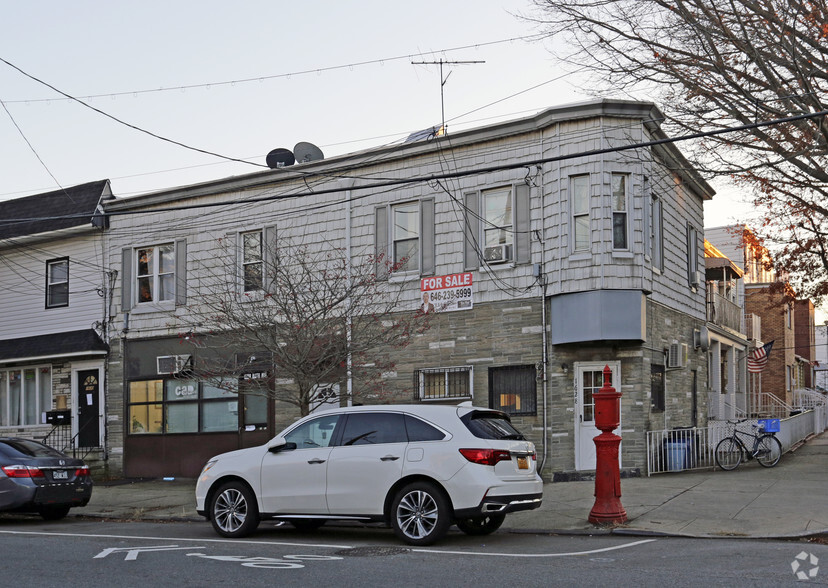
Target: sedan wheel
[[420, 514], [234, 512], [481, 525]]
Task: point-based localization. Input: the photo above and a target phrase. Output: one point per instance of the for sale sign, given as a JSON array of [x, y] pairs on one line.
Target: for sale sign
[[446, 293]]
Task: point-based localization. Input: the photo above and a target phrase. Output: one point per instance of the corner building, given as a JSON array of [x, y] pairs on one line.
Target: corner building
[[576, 239]]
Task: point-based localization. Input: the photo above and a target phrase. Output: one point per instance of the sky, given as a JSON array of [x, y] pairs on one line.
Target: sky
[[240, 79]]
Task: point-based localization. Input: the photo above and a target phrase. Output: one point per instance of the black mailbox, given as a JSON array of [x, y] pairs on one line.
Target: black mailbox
[[58, 417]]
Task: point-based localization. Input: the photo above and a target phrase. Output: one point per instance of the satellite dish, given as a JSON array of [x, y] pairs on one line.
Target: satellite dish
[[307, 152], [280, 158], [429, 133]]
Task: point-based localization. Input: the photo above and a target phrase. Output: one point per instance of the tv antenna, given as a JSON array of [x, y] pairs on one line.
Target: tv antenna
[[443, 81]]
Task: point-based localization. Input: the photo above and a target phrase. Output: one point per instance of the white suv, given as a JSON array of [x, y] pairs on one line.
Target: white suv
[[418, 468]]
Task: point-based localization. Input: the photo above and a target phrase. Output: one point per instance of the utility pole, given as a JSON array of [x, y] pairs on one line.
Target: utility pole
[[443, 81]]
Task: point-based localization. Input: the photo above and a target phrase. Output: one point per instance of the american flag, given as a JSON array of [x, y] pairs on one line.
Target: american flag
[[758, 358]]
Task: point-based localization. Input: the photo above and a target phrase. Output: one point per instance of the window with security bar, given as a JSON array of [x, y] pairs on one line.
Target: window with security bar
[[513, 389], [443, 383]]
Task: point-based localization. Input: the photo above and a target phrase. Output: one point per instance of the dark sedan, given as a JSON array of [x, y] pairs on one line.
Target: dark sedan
[[37, 478]]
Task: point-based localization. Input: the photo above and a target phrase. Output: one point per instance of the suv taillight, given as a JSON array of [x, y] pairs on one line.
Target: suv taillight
[[486, 456], [21, 471]]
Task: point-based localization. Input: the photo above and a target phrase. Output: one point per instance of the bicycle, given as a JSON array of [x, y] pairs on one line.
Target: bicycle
[[730, 451]]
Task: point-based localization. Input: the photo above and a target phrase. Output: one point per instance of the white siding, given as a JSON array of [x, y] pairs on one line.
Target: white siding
[[23, 295]]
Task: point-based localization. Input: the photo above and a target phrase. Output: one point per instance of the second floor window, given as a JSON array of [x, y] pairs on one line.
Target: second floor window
[[693, 256], [619, 211], [252, 260], [498, 230], [156, 273], [656, 243], [57, 283], [580, 212], [405, 228]]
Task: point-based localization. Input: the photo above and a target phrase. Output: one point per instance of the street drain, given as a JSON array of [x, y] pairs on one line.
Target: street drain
[[376, 551]]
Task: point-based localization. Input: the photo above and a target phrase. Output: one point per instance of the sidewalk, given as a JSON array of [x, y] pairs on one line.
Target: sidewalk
[[752, 501]]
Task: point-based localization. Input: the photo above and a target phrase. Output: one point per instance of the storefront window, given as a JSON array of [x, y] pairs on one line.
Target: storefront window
[[145, 410], [182, 406]]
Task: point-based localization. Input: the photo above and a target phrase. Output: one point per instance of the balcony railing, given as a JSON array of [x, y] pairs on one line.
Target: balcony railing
[[723, 312]]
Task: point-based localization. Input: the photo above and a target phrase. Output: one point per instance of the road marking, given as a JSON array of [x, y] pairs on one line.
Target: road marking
[[230, 541], [132, 552], [329, 546], [571, 553]]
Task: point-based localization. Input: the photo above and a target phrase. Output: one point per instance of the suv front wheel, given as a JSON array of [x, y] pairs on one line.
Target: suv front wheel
[[420, 514], [234, 512]]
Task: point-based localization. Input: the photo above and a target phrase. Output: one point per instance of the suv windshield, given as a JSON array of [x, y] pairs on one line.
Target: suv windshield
[[491, 425]]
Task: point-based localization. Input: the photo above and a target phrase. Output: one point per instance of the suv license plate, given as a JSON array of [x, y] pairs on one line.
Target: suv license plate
[[523, 463], [60, 475]]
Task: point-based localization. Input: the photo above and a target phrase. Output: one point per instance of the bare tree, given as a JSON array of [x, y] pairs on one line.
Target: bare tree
[[295, 318], [720, 64]]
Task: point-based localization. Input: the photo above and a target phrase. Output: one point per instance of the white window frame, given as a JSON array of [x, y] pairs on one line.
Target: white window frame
[[155, 274], [445, 371], [42, 397], [692, 253], [245, 262], [657, 233], [412, 264], [578, 214], [505, 233], [620, 211], [51, 284]]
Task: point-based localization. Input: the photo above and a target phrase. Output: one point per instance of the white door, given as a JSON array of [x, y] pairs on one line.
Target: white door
[[589, 378], [366, 463], [295, 480]]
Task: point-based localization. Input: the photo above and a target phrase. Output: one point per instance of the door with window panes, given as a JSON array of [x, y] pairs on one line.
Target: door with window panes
[[589, 378], [254, 411]]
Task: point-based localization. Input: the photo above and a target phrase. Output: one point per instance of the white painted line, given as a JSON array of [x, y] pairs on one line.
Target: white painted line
[[571, 553], [328, 546], [231, 541]]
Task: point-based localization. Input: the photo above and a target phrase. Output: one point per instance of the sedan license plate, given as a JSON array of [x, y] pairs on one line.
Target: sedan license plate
[[523, 463], [60, 475]]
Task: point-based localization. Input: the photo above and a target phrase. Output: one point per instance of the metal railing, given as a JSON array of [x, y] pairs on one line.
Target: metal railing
[[684, 449], [723, 312], [61, 438]]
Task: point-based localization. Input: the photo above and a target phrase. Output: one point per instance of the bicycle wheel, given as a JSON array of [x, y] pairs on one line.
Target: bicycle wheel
[[768, 451], [728, 454]]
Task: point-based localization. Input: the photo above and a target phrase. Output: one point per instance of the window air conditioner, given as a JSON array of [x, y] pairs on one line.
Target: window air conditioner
[[497, 253], [676, 355], [172, 364]]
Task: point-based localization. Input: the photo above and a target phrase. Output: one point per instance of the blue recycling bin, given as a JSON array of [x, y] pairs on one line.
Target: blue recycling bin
[[676, 453]]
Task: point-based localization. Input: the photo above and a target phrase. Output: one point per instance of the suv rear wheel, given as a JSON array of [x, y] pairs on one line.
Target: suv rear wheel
[[420, 514], [481, 525]]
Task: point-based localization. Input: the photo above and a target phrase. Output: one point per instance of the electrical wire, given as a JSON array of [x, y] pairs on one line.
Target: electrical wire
[[350, 66]]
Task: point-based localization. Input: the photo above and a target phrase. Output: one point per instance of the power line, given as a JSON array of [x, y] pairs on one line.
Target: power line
[[36, 154], [126, 124], [440, 176], [207, 85]]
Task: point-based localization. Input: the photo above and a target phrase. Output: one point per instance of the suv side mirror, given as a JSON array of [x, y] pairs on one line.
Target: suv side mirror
[[280, 444]]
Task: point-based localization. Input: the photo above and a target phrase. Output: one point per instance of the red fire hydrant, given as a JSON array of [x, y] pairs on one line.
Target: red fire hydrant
[[607, 508]]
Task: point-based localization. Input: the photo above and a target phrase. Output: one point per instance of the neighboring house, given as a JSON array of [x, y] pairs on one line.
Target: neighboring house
[[52, 325], [724, 335], [805, 341], [562, 243], [770, 316]]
